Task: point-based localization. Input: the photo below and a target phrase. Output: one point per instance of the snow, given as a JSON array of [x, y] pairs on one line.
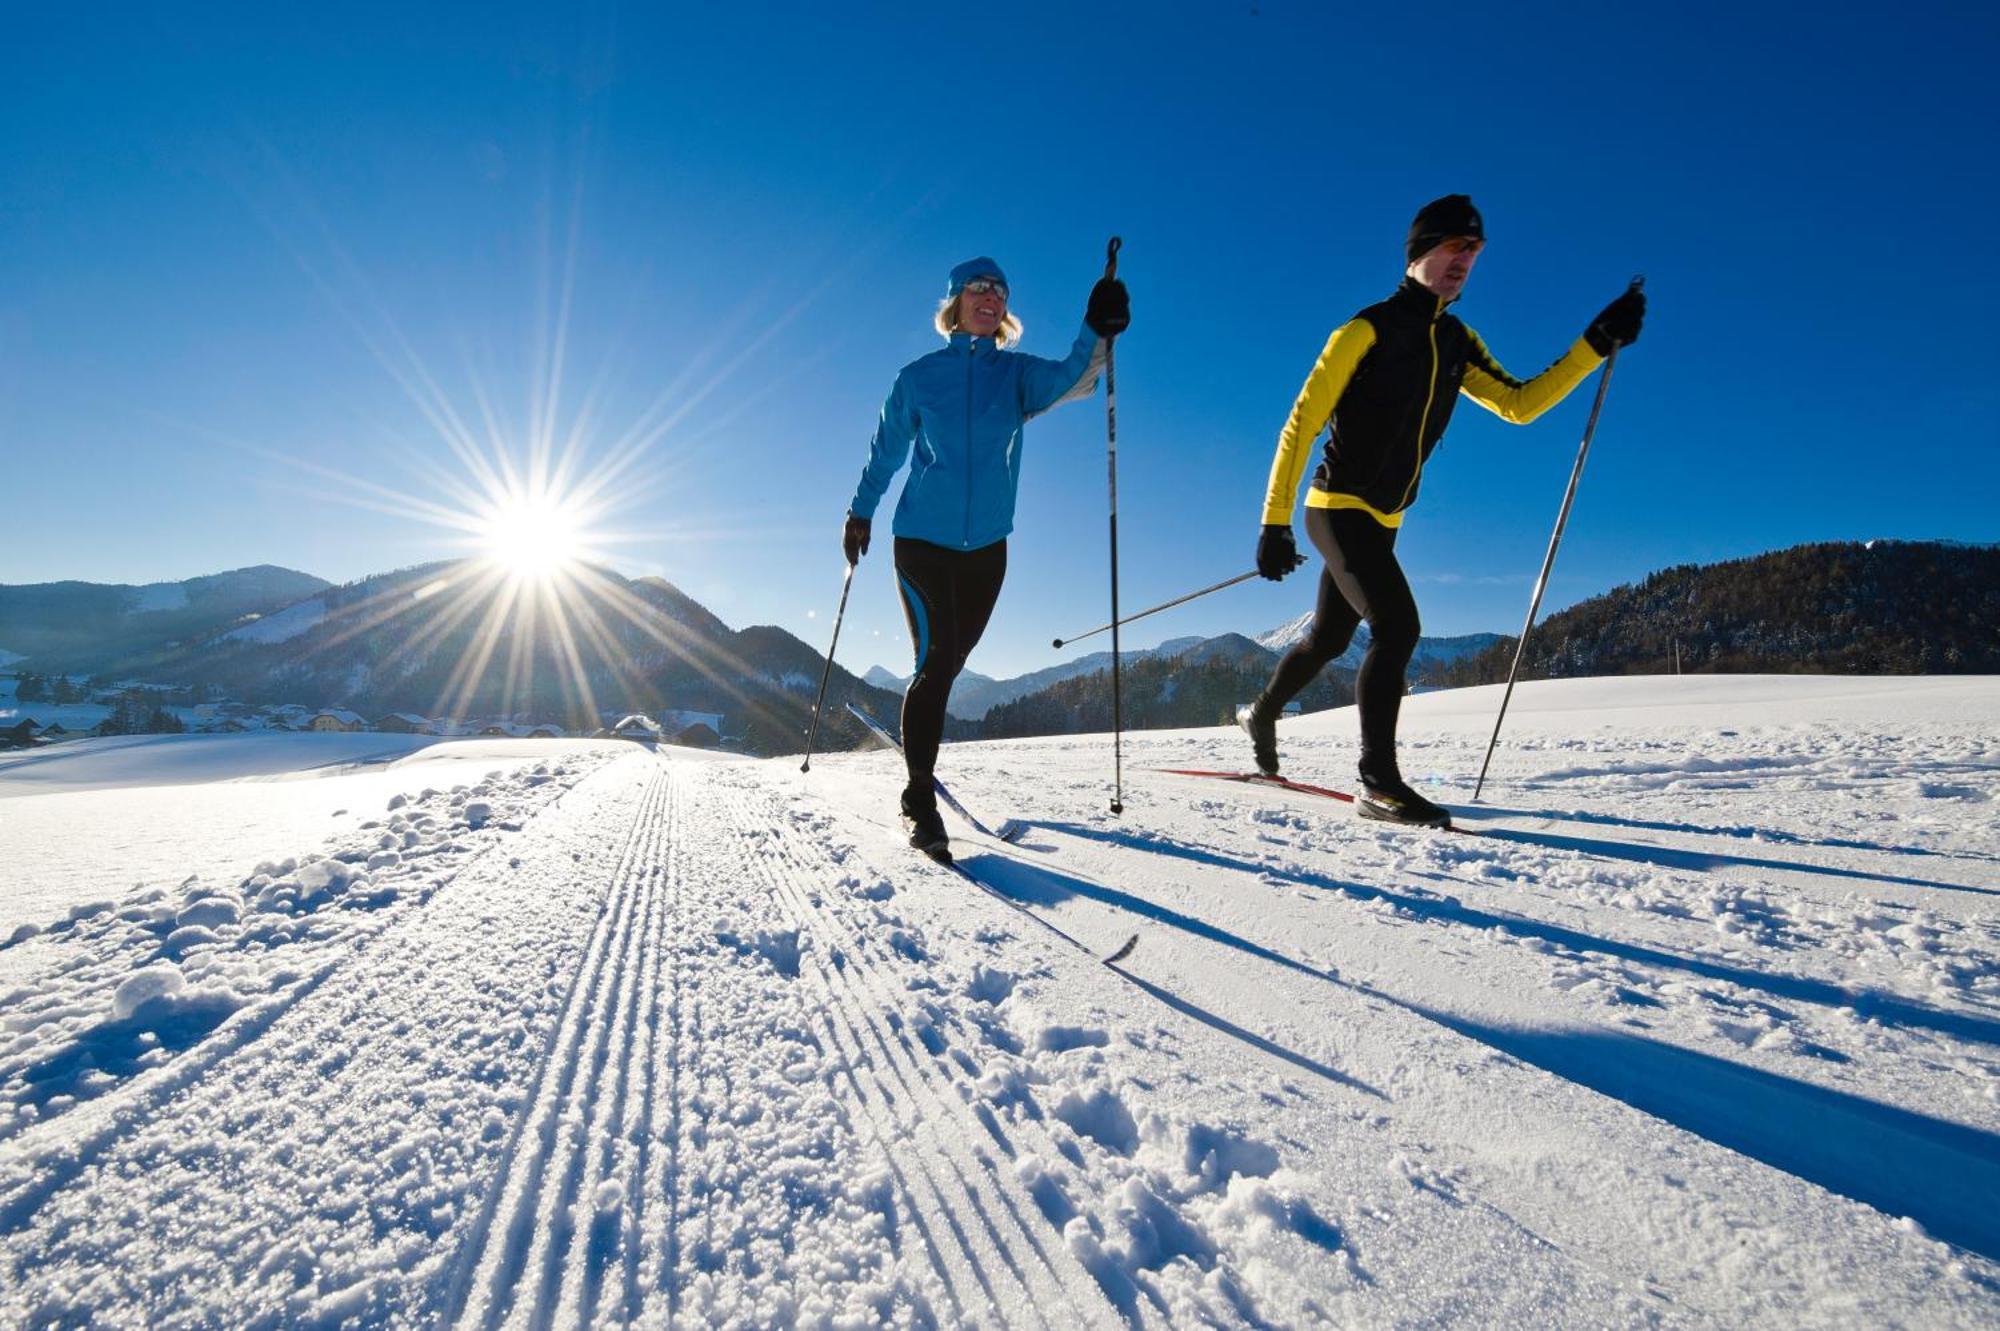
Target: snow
[[1291, 631], [1699, 1028], [282, 625], [90, 819], [75, 716]]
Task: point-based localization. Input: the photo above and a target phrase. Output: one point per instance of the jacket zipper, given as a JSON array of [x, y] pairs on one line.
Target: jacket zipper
[[1423, 422], [965, 541]]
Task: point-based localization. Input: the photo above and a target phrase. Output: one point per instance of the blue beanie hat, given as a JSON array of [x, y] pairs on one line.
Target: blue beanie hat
[[971, 268]]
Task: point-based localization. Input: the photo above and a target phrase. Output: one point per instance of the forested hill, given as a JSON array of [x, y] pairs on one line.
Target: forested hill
[[1874, 608], [1200, 686]]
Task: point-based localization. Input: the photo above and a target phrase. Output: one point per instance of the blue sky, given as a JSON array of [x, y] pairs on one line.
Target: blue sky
[[241, 249]]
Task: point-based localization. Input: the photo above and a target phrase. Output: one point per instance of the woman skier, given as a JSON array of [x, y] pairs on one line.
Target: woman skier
[[1383, 388], [960, 411]]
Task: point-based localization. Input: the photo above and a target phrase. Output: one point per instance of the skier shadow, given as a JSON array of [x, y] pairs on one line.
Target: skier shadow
[[1703, 861], [1868, 1004], [1941, 1174], [1032, 885], [1743, 833]]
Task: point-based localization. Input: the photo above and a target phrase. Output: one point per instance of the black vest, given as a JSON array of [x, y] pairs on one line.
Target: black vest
[[1398, 403]]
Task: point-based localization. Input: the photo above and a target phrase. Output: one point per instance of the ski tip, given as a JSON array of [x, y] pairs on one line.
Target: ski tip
[[1124, 951]]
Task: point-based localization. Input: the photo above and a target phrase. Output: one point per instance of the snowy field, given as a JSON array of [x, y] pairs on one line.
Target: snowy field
[[1698, 1025]]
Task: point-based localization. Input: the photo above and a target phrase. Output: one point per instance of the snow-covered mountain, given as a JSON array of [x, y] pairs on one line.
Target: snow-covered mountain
[[1693, 1026], [114, 628], [458, 639], [973, 695], [1429, 650]]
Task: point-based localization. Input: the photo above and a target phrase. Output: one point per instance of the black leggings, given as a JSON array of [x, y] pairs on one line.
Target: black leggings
[[948, 596], [1361, 580]]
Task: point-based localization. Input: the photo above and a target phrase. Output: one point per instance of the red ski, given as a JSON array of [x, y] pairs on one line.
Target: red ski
[[1366, 807], [1259, 779]]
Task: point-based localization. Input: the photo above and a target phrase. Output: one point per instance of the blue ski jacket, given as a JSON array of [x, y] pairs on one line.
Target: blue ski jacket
[[961, 409]]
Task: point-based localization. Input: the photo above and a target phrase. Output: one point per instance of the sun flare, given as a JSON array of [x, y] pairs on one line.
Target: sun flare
[[533, 537]]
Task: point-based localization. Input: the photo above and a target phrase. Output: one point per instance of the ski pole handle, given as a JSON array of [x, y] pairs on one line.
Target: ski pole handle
[[1111, 256]]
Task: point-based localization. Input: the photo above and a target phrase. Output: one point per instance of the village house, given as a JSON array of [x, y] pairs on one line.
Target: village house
[[405, 723], [335, 719], [290, 716], [676, 722], [636, 726]]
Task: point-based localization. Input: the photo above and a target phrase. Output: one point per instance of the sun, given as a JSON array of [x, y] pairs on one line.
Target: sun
[[533, 537]]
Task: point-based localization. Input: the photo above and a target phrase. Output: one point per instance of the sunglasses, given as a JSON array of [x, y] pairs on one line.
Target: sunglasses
[[979, 286], [1462, 245]]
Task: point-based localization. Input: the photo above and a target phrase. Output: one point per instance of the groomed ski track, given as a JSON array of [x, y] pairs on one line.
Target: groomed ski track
[[693, 1042]]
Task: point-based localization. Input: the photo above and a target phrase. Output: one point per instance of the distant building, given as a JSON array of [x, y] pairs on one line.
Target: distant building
[[19, 734], [405, 723], [639, 727], [699, 736], [546, 730], [675, 722], [291, 716], [336, 719]]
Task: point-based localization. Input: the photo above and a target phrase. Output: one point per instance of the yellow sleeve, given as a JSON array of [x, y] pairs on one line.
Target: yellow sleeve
[[1316, 401], [1516, 402]]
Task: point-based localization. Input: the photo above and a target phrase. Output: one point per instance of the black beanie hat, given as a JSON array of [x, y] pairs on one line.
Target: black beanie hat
[[1439, 220]]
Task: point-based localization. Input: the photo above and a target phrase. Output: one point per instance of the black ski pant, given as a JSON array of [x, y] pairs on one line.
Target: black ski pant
[[1361, 580], [948, 595]]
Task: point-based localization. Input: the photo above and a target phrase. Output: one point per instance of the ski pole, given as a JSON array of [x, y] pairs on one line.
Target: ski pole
[[1164, 605], [846, 583], [1549, 560], [1111, 464]]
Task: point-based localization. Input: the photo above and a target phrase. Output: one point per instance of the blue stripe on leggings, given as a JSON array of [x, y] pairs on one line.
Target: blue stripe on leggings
[[923, 620]]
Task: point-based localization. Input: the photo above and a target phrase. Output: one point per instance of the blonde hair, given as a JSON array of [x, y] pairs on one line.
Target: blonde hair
[[946, 322]]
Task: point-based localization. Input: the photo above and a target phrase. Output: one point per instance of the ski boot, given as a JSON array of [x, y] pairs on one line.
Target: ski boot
[[1387, 798], [926, 827], [1263, 733]]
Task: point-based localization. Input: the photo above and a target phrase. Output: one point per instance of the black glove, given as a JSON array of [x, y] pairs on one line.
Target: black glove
[[1110, 310], [1618, 325], [854, 538], [1277, 552]]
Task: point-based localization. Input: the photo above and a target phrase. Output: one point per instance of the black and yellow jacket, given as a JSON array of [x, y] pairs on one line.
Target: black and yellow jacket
[[1383, 388]]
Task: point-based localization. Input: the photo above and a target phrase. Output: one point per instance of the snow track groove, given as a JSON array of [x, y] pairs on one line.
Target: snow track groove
[[850, 969], [324, 1171], [522, 1245]]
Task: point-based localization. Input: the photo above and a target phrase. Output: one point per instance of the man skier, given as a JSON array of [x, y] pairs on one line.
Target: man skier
[[1383, 388]]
